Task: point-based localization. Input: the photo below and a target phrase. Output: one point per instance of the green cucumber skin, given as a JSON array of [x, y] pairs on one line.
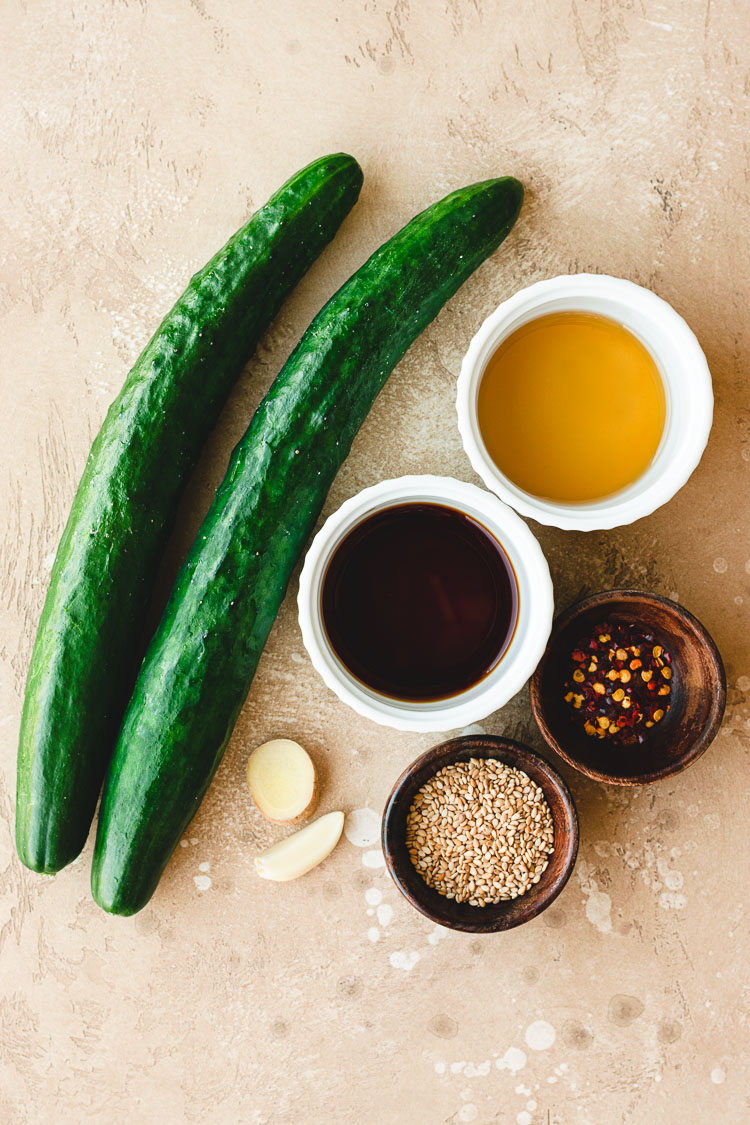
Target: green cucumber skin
[[90, 631], [198, 669]]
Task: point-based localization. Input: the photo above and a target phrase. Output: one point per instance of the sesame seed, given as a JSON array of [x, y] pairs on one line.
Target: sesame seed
[[496, 843]]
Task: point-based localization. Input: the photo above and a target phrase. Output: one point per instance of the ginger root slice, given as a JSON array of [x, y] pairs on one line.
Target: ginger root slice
[[303, 850], [282, 781]]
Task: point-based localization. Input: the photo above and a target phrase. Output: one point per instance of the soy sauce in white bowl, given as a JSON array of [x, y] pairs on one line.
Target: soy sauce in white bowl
[[419, 601], [506, 577]]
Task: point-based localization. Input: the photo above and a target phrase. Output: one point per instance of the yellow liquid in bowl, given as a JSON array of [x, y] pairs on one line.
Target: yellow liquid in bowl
[[571, 407]]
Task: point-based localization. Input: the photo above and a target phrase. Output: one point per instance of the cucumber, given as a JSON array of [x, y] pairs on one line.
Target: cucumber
[[90, 632], [198, 668]]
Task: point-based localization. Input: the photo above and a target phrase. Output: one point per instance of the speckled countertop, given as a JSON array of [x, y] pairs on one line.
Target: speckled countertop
[[136, 137]]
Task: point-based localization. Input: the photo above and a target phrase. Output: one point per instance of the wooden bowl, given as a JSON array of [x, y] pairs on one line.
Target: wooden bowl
[[460, 915], [698, 690]]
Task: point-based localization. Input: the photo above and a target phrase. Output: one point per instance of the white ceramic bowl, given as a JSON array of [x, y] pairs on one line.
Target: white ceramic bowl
[[535, 605], [687, 388]]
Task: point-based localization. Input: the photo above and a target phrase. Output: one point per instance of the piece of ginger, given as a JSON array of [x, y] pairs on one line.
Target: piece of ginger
[[282, 781]]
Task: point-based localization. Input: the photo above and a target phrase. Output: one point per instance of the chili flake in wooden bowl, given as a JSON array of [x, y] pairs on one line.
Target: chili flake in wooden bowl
[[694, 674], [618, 683]]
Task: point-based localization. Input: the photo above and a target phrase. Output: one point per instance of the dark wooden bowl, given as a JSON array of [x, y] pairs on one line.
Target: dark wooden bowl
[[697, 701], [460, 915]]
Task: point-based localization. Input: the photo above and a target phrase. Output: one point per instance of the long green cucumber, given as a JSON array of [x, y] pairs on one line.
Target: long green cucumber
[[86, 650], [198, 669]]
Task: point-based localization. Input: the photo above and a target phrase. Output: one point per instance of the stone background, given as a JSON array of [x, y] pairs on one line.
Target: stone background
[[136, 137]]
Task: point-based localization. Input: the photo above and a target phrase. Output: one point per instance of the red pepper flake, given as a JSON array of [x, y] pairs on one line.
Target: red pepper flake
[[623, 691]]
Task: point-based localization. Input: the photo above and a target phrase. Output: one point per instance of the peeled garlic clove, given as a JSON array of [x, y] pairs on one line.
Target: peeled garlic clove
[[299, 853], [282, 781]]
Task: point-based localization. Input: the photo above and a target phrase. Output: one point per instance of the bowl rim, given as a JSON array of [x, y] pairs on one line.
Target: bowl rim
[[535, 610], [486, 746], [696, 748], [688, 371]]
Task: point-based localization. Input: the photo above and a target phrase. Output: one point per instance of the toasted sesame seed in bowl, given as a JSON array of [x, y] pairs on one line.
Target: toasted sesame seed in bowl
[[480, 834]]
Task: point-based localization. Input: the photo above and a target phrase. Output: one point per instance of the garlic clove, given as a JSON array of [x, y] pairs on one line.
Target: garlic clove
[[300, 852]]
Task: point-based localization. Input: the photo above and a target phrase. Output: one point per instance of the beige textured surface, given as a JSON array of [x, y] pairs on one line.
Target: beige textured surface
[[136, 137]]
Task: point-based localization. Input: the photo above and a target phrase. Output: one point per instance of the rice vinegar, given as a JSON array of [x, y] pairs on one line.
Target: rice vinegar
[[571, 407]]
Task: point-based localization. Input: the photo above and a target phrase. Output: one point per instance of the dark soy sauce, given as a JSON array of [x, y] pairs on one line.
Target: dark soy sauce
[[419, 602]]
